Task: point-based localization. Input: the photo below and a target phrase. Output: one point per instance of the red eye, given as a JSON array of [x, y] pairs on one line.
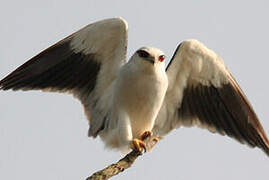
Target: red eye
[[162, 58]]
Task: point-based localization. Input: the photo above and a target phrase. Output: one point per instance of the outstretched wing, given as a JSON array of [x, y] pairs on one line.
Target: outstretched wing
[[202, 92], [84, 64]]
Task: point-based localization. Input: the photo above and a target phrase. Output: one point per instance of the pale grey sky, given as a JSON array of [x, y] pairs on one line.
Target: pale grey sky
[[44, 135]]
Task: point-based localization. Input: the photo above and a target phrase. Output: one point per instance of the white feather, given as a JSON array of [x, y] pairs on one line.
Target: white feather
[[138, 93], [193, 64]]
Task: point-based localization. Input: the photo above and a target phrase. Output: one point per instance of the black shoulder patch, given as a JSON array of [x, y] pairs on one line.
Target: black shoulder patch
[[173, 57]]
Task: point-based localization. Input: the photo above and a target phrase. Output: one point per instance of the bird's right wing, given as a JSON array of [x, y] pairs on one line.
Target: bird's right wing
[[83, 64]]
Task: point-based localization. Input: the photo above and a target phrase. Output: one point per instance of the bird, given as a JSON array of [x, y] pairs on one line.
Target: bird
[[127, 101]]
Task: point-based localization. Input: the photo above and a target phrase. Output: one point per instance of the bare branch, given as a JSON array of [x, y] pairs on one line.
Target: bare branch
[[122, 164]]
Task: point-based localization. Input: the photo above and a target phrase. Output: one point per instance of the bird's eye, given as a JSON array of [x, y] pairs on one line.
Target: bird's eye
[[161, 58], [143, 54]]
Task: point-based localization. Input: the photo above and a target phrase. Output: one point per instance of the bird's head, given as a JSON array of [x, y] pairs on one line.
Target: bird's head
[[149, 57]]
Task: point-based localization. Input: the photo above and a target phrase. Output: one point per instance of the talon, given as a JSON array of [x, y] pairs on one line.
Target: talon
[[145, 135], [156, 139], [138, 145]]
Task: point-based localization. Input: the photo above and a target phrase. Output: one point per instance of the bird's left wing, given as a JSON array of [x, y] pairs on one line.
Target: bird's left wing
[[202, 92], [83, 64]]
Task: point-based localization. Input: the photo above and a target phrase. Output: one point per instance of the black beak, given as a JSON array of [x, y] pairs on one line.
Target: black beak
[[151, 60]]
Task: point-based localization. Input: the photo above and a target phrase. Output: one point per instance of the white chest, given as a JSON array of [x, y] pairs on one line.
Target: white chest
[[141, 95]]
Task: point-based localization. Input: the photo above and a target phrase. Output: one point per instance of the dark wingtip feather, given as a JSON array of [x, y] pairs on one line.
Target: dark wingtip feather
[[225, 109], [58, 68], [243, 112], [3, 84]]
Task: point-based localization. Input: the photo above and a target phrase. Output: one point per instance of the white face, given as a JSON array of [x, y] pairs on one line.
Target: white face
[[151, 56]]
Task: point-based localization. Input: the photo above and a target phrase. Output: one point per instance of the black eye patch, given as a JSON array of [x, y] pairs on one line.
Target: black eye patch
[[142, 53]]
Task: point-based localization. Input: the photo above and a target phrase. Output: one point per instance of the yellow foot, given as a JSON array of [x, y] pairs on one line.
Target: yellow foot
[[156, 139], [138, 145], [145, 135]]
